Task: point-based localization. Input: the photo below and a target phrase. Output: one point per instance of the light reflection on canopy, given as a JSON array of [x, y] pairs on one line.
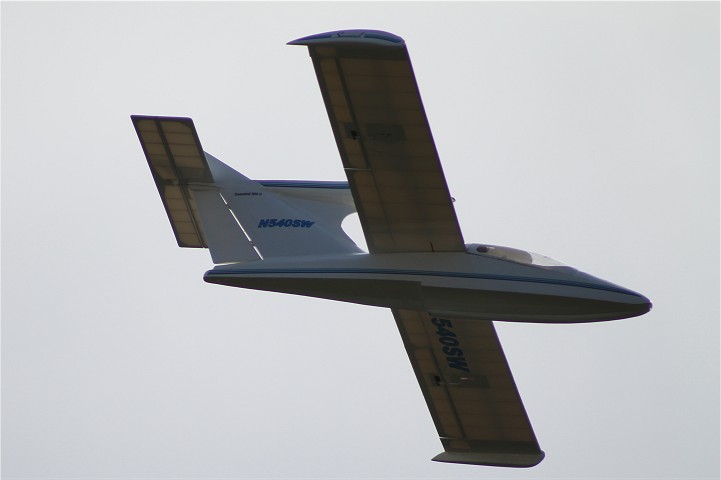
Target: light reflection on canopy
[[513, 255]]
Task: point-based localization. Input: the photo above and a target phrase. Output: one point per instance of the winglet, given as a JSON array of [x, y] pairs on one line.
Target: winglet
[[352, 37]]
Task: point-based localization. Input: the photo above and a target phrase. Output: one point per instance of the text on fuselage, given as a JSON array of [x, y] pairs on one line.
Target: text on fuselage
[[285, 222]]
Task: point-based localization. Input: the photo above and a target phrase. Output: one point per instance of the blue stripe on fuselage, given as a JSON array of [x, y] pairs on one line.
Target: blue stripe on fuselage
[[304, 184]]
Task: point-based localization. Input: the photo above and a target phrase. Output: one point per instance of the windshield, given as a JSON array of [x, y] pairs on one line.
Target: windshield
[[513, 255]]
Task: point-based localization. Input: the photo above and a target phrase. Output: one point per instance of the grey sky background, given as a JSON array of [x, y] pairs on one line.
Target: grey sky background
[[587, 132]]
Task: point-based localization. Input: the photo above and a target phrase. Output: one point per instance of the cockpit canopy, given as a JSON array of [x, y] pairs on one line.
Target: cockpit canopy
[[513, 255]]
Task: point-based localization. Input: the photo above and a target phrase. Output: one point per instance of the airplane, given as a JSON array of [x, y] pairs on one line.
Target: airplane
[[286, 236]]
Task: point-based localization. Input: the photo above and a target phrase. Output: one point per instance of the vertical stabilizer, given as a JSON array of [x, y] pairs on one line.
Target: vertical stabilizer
[[226, 240], [305, 222]]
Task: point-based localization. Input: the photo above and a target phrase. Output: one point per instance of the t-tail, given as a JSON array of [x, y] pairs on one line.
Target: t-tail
[[212, 206]]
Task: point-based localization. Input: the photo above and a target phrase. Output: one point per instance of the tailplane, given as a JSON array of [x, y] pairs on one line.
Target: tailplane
[[210, 205]]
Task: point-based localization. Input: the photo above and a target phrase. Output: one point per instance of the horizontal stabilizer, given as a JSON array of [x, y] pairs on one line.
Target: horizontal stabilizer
[[198, 214], [176, 159]]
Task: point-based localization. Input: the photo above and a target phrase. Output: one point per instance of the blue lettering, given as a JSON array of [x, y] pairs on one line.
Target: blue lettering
[[451, 345], [458, 363], [444, 332], [441, 322], [285, 222], [448, 341], [453, 351]]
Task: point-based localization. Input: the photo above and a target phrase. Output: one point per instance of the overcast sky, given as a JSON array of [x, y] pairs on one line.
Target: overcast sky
[[587, 132]]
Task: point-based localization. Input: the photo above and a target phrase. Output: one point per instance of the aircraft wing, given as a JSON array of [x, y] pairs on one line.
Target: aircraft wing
[[385, 142], [469, 389]]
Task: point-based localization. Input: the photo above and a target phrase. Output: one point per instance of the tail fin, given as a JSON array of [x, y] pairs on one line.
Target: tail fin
[[211, 205]]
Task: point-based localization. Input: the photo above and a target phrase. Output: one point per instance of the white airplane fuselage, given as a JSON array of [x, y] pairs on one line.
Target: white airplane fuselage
[[445, 284]]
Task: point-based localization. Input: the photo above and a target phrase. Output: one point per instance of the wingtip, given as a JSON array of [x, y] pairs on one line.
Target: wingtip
[[492, 459], [137, 118], [363, 37]]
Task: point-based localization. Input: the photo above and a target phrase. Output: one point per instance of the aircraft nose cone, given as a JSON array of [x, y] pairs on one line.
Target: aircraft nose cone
[[631, 304], [641, 307], [620, 302]]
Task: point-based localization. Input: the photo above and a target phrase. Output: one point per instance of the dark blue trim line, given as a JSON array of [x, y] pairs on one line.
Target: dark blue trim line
[[480, 276], [305, 184]]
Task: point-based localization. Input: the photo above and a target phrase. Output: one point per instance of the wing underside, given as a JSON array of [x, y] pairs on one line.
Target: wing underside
[[176, 159], [469, 389], [385, 142]]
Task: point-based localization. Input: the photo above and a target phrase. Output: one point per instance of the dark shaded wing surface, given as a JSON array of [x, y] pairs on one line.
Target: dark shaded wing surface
[[469, 390], [176, 159], [385, 142]]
